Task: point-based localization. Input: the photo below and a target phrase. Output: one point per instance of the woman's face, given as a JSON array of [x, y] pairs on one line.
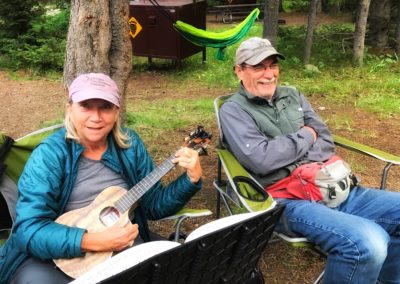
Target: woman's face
[[93, 119]]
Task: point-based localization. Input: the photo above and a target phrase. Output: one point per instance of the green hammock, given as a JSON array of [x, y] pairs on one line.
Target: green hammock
[[218, 40]]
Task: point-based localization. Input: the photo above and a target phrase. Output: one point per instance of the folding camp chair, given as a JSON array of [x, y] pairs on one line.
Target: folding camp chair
[[231, 192], [13, 156]]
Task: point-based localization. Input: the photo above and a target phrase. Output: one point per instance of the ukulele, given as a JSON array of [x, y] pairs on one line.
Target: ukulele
[[114, 205]]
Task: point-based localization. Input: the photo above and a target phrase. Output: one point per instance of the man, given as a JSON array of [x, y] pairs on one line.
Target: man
[[271, 129]]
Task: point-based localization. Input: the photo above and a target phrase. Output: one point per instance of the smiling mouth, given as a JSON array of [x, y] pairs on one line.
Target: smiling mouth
[[267, 83], [94, 128]]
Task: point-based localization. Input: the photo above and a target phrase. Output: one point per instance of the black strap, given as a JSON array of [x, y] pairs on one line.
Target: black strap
[[5, 148], [5, 221]]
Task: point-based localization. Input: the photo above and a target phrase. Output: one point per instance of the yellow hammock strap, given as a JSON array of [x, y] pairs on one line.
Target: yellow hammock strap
[[218, 40]]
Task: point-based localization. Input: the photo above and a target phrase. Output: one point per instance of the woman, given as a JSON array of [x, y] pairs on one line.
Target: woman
[[69, 169]]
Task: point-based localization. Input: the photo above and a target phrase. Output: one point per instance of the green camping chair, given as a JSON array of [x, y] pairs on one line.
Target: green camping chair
[[13, 156], [239, 191]]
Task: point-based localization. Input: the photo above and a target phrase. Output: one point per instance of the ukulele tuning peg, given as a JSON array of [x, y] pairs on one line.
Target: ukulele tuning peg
[[200, 133], [201, 149]]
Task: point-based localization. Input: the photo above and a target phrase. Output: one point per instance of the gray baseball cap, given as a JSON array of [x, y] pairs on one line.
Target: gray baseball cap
[[254, 50]]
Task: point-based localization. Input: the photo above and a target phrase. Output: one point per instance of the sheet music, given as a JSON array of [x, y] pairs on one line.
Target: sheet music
[[124, 260]]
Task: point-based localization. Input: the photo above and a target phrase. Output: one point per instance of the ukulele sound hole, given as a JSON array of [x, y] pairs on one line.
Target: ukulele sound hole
[[109, 216]]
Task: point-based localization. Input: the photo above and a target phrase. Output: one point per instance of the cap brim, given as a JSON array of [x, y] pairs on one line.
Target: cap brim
[[89, 94], [257, 59]]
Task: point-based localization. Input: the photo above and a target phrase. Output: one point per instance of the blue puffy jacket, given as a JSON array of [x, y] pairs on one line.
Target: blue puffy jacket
[[46, 184]]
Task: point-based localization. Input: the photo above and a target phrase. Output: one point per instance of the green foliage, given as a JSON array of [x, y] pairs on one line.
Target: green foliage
[[147, 118], [332, 44], [349, 5], [16, 16], [330, 74], [41, 48], [343, 122], [295, 5], [327, 5], [379, 62], [383, 103]]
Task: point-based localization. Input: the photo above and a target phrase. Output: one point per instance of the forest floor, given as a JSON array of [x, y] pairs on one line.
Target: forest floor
[[26, 103]]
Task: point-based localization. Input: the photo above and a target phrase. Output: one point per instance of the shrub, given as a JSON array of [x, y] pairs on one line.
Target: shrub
[[41, 48], [16, 16]]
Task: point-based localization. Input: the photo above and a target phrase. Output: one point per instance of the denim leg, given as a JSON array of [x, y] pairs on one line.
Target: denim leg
[[383, 207], [361, 236]]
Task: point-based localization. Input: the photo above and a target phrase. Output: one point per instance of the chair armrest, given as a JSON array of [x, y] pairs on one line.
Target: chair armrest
[[182, 215], [390, 159], [366, 150], [187, 212]]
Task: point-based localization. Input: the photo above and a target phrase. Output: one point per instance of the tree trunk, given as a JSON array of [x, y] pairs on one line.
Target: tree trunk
[[398, 31], [310, 30], [379, 22], [271, 13], [325, 6], [319, 7], [359, 34], [99, 41], [281, 6]]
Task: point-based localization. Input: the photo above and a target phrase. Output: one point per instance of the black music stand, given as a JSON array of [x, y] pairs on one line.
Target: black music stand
[[228, 255]]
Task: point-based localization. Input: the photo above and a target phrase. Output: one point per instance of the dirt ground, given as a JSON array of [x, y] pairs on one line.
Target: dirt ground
[[25, 104]]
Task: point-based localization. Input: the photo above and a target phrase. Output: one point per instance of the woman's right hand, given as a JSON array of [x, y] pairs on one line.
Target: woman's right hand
[[115, 238]]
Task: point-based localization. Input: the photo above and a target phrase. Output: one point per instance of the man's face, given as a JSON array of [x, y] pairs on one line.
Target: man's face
[[260, 80]]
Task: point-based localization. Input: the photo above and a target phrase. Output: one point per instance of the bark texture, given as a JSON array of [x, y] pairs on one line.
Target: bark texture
[[379, 23], [310, 30], [359, 34], [99, 41], [398, 30], [271, 13]]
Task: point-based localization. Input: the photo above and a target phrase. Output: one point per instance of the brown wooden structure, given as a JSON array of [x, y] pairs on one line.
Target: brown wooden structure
[[158, 38]]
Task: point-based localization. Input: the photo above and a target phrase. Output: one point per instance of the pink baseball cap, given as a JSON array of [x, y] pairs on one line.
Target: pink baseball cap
[[94, 86]]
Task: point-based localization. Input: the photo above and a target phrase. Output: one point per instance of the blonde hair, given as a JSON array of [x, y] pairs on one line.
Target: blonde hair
[[120, 136]]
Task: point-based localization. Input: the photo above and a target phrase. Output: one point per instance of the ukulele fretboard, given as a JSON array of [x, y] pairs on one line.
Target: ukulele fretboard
[[134, 194]]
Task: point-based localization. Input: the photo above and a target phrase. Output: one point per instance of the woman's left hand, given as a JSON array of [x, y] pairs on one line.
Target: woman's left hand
[[189, 159]]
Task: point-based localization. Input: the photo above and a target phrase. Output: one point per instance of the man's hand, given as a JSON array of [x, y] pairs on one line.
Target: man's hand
[[312, 131]]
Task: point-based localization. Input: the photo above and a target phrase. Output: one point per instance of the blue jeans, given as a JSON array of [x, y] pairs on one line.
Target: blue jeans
[[361, 236]]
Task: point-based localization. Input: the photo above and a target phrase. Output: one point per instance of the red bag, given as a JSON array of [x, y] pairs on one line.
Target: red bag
[[328, 182]]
